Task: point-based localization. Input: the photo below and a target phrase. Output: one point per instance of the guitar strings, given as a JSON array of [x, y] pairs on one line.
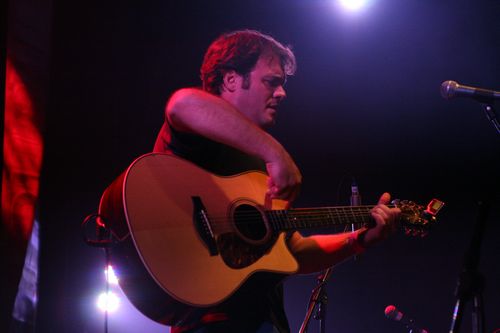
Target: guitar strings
[[305, 213], [301, 216], [294, 218]]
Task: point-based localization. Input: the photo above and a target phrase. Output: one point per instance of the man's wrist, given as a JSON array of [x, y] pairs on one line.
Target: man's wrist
[[361, 238], [358, 241]]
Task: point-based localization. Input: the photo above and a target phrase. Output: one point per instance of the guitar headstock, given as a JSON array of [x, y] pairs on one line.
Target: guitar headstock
[[416, 219]]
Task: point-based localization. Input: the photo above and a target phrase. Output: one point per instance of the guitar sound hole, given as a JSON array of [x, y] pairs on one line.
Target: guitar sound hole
[[243, 248], [249, 222]]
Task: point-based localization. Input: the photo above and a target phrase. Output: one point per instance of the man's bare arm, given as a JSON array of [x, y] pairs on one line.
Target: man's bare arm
[[318, 252], [196, 111]]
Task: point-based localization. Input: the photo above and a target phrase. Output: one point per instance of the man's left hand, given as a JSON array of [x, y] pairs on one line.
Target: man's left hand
[[386, 222]]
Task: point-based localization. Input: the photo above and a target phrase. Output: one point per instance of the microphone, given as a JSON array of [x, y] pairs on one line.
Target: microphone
[[355, 196], [393, 313], [451, 89]]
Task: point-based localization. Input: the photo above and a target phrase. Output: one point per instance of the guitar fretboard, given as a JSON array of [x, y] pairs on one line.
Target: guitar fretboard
[[313, 218]]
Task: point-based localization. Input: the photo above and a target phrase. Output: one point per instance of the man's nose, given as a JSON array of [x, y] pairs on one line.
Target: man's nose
[[280, 92]]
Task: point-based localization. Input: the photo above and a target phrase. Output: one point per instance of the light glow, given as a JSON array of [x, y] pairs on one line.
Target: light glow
[[353, 5], [110, 275], [108, 302]]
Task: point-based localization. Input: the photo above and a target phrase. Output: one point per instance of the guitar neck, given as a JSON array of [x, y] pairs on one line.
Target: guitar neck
[[314, 218]]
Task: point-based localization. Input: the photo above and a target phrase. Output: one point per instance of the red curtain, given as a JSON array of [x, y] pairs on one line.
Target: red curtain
[[23, 149]]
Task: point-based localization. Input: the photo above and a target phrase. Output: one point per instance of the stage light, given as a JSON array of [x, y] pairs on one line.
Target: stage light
[[110, 275], [353, 5], [108, 302]]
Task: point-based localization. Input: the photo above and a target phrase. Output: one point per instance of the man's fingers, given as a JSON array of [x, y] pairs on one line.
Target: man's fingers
[[384, 199], [380, 213], [286, 193]]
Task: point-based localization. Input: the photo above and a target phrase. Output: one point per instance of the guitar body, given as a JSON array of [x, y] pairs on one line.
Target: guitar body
[[184, 240]]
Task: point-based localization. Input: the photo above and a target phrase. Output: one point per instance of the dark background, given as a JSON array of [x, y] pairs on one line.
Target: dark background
[[365, 102]]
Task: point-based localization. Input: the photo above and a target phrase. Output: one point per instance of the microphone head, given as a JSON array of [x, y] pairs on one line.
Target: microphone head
[[390, 311], [448, 89], [393, 313]]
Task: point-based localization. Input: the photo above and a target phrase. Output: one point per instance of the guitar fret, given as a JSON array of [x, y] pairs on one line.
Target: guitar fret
[[279, 224], [342, 217], [276, 220], [282, 219], [272, 220], [355, 218], [331, 216], [287, 223]]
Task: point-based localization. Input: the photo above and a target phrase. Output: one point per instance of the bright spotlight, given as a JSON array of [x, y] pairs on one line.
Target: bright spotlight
[[353, 5], [110, 275], [108, 302]]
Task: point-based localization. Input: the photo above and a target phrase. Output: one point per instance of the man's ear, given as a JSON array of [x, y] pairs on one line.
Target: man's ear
[[230, 81]]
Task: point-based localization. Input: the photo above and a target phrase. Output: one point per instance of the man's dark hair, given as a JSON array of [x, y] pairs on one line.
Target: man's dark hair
[[239, 51]]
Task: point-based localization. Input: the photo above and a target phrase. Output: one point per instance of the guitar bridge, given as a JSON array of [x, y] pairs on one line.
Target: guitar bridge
[[202, 225]]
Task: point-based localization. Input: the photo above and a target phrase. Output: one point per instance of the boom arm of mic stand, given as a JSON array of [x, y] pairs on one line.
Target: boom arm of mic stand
[[318, 298], [491, 115]]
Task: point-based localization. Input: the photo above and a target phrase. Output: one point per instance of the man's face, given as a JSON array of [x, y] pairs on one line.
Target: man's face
[[259, 101]]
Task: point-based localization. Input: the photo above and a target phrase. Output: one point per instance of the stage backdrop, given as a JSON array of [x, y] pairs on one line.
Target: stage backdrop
[[365, 102]]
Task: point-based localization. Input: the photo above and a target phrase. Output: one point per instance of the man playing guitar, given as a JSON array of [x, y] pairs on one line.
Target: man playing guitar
[[222, 129]]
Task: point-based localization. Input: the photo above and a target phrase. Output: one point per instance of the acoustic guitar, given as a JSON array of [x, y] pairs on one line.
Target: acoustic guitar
[[184, 237]]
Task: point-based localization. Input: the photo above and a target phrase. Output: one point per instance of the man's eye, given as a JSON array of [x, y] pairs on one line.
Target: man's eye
[[273, 83]]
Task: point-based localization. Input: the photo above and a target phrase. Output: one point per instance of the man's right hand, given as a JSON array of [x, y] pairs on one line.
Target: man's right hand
[[285, 178]]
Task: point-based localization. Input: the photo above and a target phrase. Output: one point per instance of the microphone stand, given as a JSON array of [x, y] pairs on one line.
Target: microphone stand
[[319, 298], [471, 281], [491, 115]]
